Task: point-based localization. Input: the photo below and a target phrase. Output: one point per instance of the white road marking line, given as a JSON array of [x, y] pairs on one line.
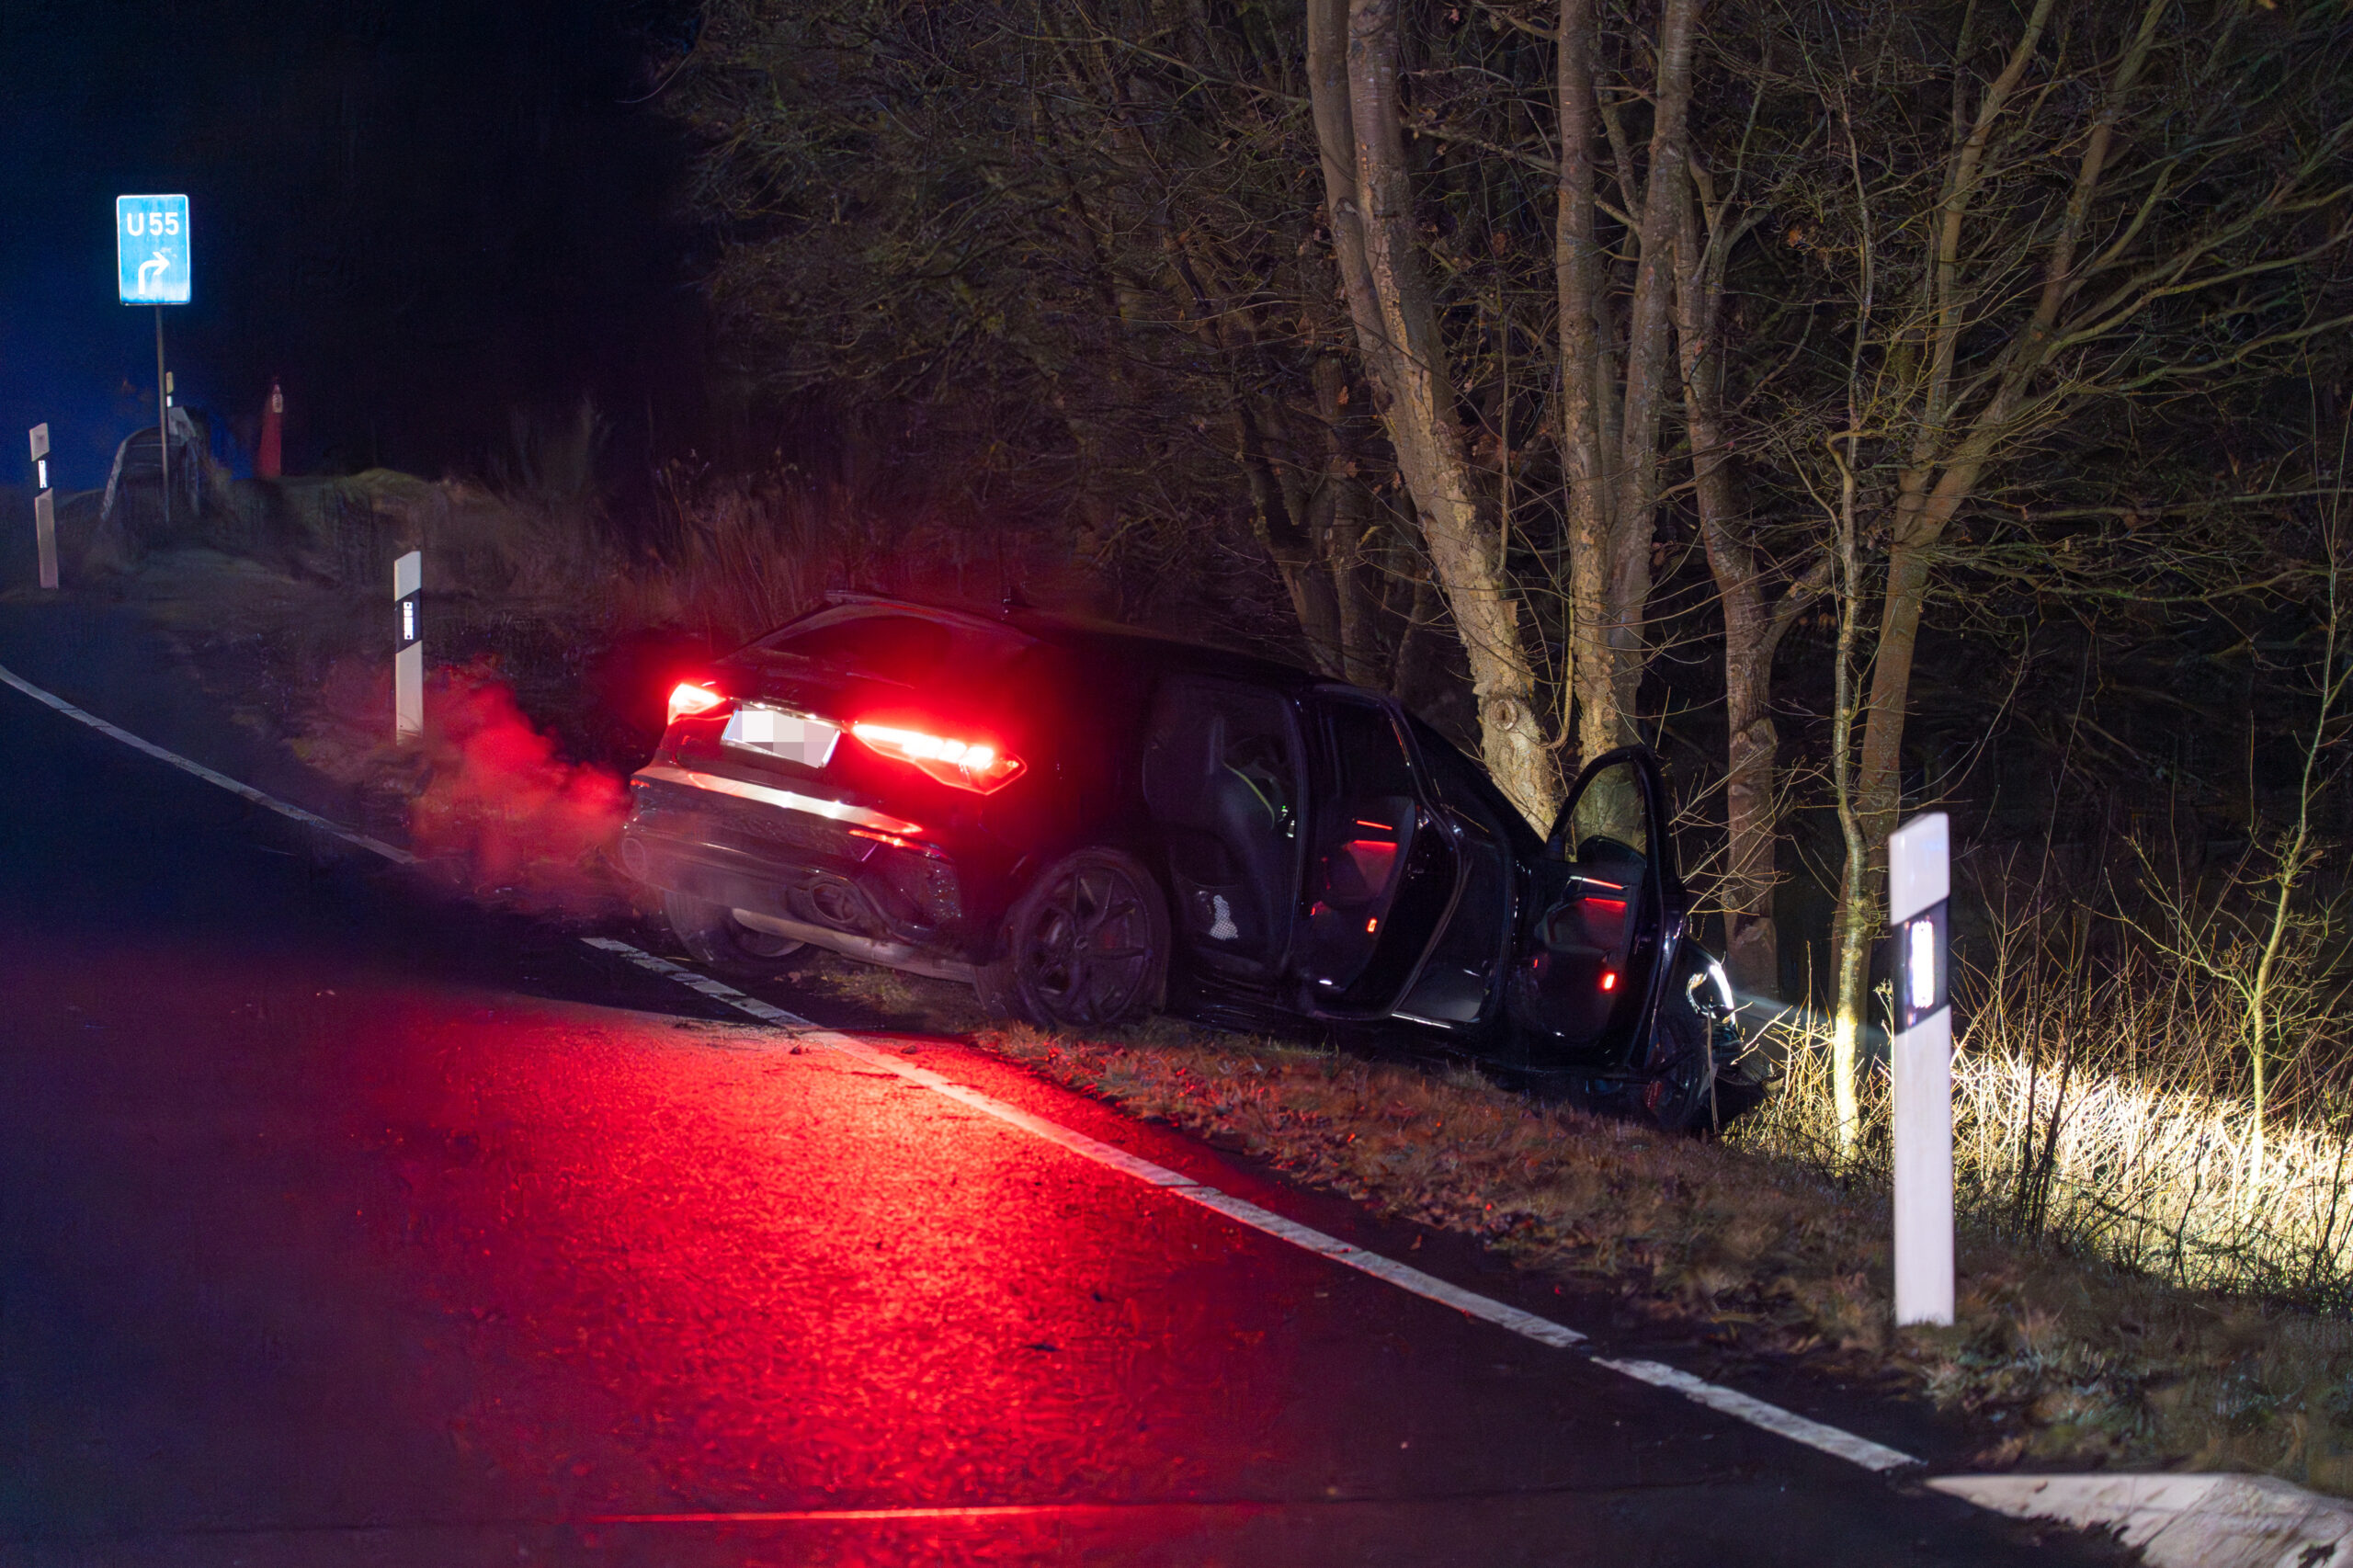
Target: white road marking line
[[1740, 1406], [308, 819], [1757, 1413]]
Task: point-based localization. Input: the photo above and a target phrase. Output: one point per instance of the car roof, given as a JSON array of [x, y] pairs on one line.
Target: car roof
[[1106, 641]]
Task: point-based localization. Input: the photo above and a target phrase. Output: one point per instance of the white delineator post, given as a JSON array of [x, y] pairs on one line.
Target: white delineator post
[[408, 663], [1919, 885], [44, 507]]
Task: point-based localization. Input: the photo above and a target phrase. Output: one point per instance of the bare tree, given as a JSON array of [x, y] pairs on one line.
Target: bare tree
[[1353, 50], [2266, 936], [1759, 599], [2130, 204]]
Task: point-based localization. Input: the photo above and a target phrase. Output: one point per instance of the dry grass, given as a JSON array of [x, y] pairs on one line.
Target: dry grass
[[2155, 1176], [2096, 1112], [741, 555]]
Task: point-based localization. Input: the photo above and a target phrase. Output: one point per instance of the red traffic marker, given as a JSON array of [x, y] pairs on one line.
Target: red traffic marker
[[270, 460]]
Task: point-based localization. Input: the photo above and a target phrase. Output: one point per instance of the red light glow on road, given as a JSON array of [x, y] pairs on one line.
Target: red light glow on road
[[791, 1287]]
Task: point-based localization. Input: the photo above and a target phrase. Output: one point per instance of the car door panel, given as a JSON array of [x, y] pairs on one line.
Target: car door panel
[[1605, 907], [1460, 988], [1456, 984], [1383, 870]]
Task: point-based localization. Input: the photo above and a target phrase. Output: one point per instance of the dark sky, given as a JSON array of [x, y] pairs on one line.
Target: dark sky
[[421, 215]]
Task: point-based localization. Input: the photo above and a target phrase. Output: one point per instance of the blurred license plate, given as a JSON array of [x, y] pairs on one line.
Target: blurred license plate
[[809, 742]]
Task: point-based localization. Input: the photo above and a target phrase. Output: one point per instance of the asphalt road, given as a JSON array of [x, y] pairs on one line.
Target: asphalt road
[[340, 1223]]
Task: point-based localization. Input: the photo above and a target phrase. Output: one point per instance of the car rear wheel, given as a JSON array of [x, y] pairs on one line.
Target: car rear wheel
[[716, 939], [1088, 944], [1678, 1088]]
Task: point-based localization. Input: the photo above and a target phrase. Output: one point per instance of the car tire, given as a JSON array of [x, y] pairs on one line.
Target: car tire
[[1678, 1088], [716, 939], [1085, 944], [992, 983]]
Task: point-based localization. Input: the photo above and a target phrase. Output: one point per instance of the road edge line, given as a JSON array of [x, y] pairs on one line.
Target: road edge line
[[1757, 1413], [113, 732]]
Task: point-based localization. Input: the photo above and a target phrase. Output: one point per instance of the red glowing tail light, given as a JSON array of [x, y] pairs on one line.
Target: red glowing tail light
[[1609, 979], [690, 697], [968, 765]]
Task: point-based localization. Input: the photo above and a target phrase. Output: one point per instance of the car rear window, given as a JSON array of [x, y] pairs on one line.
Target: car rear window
[[904, 649]]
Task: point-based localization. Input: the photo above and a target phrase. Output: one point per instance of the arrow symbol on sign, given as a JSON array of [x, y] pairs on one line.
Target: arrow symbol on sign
[[157, 267]]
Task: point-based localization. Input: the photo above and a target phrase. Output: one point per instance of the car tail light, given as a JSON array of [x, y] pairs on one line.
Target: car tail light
[[968, 765], [690, 697], [1609, 979]]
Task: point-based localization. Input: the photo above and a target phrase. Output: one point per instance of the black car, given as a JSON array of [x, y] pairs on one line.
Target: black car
[[1090, 824]]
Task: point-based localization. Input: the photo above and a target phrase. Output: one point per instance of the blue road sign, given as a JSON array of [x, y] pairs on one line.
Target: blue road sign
[[151, 249]]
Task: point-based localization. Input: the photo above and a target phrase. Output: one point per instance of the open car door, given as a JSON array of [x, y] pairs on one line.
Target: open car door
[[1607, 904], [1383, 867], [1223, 779]]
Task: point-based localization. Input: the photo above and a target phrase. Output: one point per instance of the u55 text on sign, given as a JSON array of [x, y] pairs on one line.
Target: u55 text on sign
[[151, 249]]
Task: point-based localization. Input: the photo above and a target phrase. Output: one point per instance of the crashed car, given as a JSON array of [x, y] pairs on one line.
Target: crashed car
[[1090, 824]]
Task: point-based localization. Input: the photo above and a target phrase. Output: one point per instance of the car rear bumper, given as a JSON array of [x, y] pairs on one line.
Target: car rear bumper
[[790, 857]]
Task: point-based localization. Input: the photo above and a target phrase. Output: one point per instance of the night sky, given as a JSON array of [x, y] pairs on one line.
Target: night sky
[[422, 216]]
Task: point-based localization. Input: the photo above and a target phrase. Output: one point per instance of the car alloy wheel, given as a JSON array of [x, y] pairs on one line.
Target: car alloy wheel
[[1088, 944]]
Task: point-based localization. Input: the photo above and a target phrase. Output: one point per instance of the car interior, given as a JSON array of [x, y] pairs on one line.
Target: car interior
[[1223, 780], [1366, 839]]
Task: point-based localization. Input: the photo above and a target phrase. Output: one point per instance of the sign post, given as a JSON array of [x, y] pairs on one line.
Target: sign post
[[44, 507], [151, 254], [269, 459], [408, 662], [1919, 885]]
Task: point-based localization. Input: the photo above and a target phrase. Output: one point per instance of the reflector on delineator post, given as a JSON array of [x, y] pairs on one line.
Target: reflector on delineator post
[[1920, 888], [44, 507], [409, 663]]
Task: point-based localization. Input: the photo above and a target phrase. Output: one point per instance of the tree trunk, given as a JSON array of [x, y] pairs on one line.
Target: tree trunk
[[1610, 427], [1396, 319], [1752, 949], [1856, 915], [1581, 272], [1282, 519], [1950, 451], [1343, 520], [1752, 940], [1649, 373]]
